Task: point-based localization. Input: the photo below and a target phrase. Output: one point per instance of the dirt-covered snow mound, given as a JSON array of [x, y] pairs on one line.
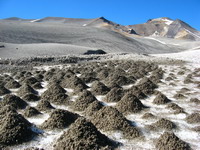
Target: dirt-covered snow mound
[[146, 86], [59, 119], [31, 111], [162, 124], [3, 90], [114, 95], [15, 129], [82, 134], [14, 101], [56, 94], [169, 141], [161, 99], [30, 97], [44, 105], [193, 118], [25, 89], [12, 84], [129, 104], [93, 107], [110, 119], [84, 99], [98, 88]]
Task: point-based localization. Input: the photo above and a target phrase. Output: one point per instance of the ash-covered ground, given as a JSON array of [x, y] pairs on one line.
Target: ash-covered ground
[[112, 101]]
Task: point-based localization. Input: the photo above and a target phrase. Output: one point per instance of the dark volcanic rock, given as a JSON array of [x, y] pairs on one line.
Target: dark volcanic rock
[[96, 52], [129, 104], [193, 118], [14, 101], [15, 129], [169, 141], [83, 135], [161, 99], [59, 119], [110, 119], [31, 111]]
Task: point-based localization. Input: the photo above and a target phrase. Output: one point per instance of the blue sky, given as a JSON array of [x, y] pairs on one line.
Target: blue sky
[[124, 12]]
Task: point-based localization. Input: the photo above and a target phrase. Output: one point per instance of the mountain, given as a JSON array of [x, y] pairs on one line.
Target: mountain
[[166, 27], [62, 36]]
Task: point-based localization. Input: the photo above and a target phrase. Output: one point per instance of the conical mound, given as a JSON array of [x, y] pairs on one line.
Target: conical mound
[[3, 90], [15, 129], [114, 95], [25, 89], [129, 104], [14, 101], [83, 135], [137, 92], [31, 111], [44, 105], [169, 141], [162, 124], [98, 88], [12, 84], [93, 107], [56, 94], [161, 99], [30, 97], [83, 100], [59, 119], [146, 86], [110, 119]]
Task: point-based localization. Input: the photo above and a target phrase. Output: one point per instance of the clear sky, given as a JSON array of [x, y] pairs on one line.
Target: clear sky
[[125, 12]]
